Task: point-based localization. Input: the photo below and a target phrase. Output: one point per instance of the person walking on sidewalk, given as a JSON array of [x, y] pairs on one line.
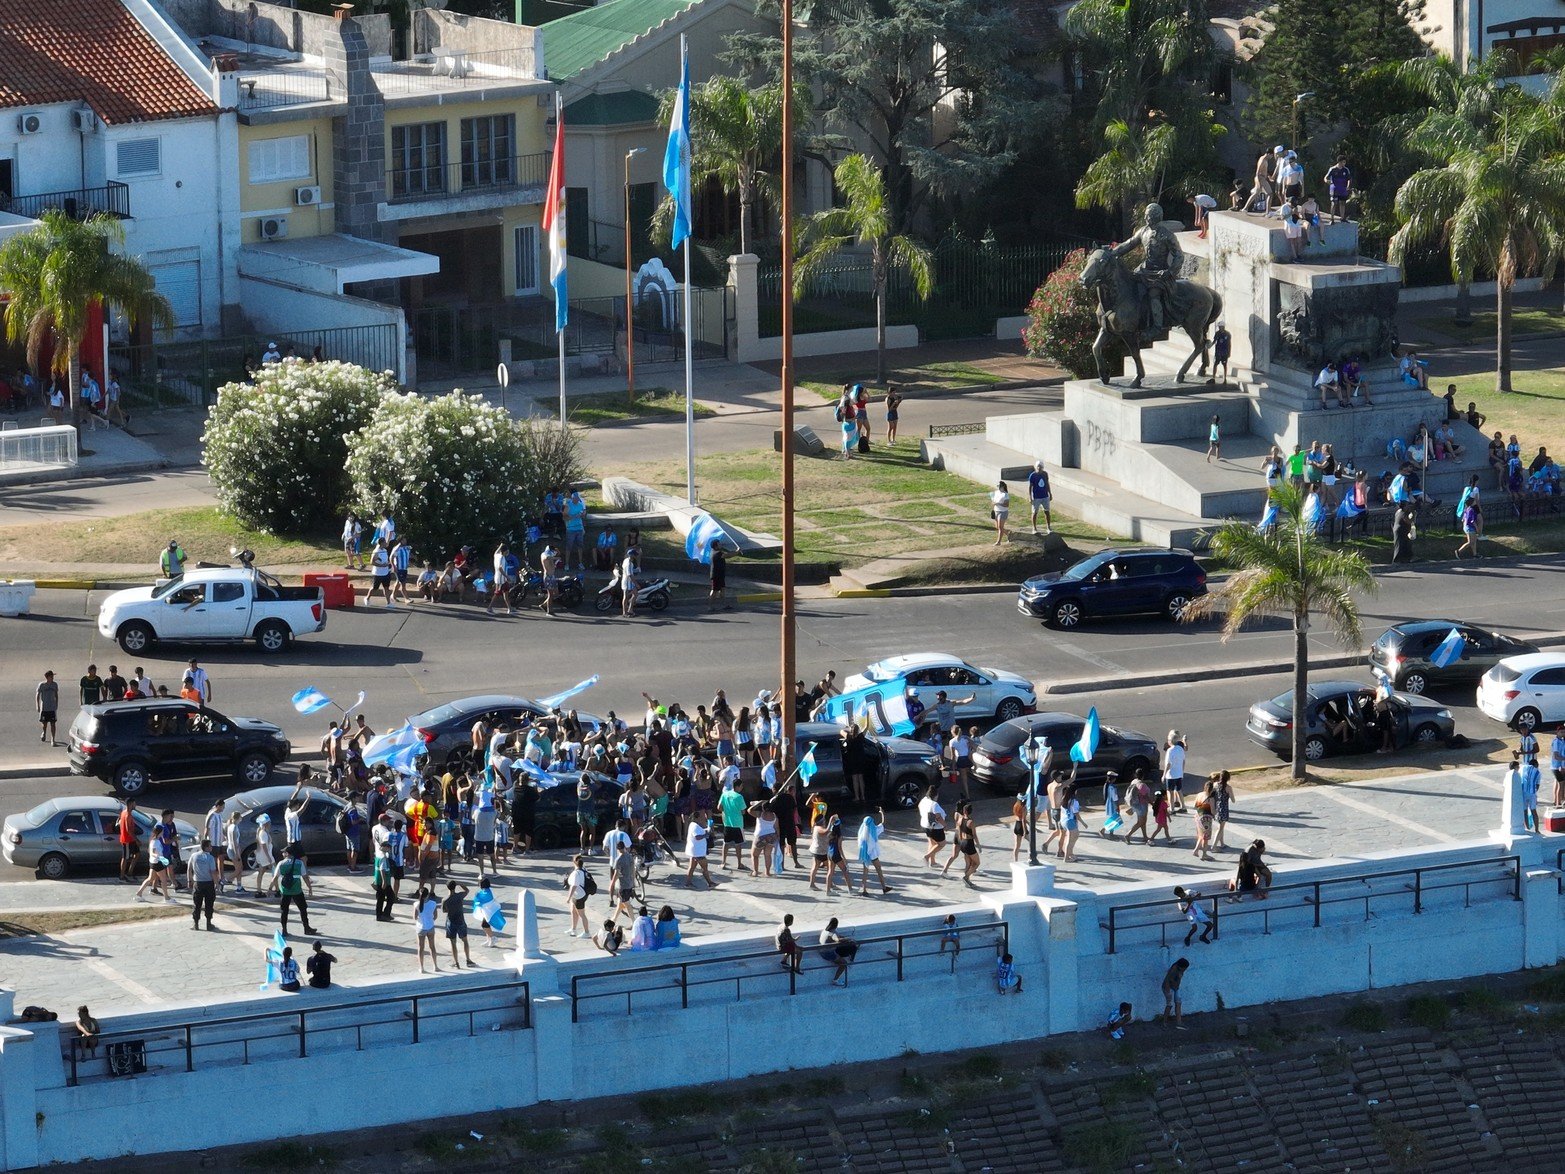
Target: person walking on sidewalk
[[1038, 493], [1000, 510], [291, 879], [1174, 770], [202, 872], [47, 697], [128, 844]]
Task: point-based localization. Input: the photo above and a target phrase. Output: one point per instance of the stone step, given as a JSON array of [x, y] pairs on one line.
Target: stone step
[[977, 458], [1101, 502]]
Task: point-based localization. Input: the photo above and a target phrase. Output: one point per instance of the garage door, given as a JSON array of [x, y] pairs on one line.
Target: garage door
[[180, 283]]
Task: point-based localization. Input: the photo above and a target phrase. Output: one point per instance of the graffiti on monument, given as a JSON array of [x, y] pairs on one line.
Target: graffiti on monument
[[1314, 328], [1100, 439]]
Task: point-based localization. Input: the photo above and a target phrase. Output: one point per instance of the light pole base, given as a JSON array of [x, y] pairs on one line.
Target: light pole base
[[1032, 880]]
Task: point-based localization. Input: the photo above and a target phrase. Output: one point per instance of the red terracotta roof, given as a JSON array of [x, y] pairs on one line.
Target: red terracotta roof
[[90, 51]]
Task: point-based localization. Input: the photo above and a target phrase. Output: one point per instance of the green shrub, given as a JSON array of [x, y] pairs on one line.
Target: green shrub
[[1364, 1015], [1429, 1011], [276, 449], [1062, 321]]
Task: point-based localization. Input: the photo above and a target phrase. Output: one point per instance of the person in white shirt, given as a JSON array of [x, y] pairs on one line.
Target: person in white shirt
[[932, 821], [615, 841], [502, 579], [769, 774], [380, 574], [1174, 770], [697, 837], [576, 898], [214, 832], [200, 680], [425, 908], [627, 583]]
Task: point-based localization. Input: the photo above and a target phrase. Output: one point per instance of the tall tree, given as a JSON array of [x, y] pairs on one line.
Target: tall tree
[[1493, 190], [935, 91], [1288, 571], [864, 218], [57, 273], [1149, 67]]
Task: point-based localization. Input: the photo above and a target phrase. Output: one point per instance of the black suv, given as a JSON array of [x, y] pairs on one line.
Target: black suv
[[133, 743], [997, 760], [1403, 654], [447, 729], [1115, 583], [903, 769]]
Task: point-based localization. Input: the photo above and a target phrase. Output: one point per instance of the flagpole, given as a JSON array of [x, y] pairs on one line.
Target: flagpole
[[690, 407], [559, 114], [788, 650]]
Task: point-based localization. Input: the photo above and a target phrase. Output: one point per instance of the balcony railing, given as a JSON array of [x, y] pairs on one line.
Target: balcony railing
[[523, 175], [444, 69], [79, 203]]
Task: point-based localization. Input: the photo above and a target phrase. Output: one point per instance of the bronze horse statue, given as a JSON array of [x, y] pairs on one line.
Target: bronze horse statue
[[1123, 312]]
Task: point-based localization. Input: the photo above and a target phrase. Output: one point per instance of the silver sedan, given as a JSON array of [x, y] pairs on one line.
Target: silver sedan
[[60, 835]]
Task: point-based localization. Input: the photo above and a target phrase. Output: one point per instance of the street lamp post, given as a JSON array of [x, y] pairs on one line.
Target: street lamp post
[[1298, 99], [630, 325], [1035, 757]]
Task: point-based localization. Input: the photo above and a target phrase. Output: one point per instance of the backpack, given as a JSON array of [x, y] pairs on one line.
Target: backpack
[[588, 885], [344, 827]]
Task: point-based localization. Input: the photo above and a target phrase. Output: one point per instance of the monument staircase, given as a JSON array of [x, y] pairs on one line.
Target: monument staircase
[[1133, 460]]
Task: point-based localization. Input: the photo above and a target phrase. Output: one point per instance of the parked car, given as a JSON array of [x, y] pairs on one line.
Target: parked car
[[997, 694], [317, 822], [1403, 654], [1525, 691], [447, 729], [903, 768], [224, 604], [134, 743], [60, 836], [1340, 719], [554, 813], [997, 761], [1115, 583]]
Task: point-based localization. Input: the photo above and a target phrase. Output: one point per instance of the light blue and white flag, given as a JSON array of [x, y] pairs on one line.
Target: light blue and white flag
[[311, 700], [1449, 650], [1268, 517], [554, 699], [676, 158], [1087, 745], [487, 906], [404, 743], [274, 959], [705, 531], [535, 772], [881, 708], [807, 767]]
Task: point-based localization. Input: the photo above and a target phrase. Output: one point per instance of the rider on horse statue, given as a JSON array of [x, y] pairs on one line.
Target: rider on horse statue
[[1161, 262]]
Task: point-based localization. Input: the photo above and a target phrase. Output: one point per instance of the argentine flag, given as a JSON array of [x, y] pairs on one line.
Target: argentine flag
[[311, 700], [554, 699], [676, 159], [1087, 746], [487, 906], [554, 219], [402, 744], [807, 767], [1449, 650], [274, 959]]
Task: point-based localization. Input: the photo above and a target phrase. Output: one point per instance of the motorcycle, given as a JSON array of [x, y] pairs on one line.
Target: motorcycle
[[654, 594], [568, 589]]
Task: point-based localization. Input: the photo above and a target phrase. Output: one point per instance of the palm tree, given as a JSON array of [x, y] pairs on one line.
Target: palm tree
[[1494, 192], [1287, 571], [736, 139], [56, 273], [863, 219]]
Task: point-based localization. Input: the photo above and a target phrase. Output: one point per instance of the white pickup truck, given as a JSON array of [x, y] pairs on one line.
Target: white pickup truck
[[225, 604]]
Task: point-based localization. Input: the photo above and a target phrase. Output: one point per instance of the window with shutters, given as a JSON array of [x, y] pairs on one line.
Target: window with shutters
[[279, 159], [138, 157], [487, 147], [418, 159], [526, 258]]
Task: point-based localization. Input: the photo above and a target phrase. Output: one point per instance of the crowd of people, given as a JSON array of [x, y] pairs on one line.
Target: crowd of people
[[22, 391]]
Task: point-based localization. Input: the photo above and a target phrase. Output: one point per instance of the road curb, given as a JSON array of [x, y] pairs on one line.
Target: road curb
[[862, 592], [759, 597]]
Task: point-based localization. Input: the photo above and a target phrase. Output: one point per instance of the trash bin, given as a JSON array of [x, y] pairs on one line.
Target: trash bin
[[16, 596], [337, 587]]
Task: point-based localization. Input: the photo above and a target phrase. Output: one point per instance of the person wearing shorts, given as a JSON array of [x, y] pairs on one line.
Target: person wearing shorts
[[586, 813], [48, 699], [932, 822], [455, 906], [1038, 495], [128, 845]]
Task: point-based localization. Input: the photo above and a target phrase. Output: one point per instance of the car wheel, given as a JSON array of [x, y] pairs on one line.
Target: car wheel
[[1526, 720], [462, 758], [906, 791], [1174, 606], [271, 637], [254, 769], [1132, 766], [1314, 748], [131, 778], [54, 866], [1008, 709], [135, 637], [1413, 683], [546, 838], [658, 600], [248, 859], [1426, 735], [1067, 614]]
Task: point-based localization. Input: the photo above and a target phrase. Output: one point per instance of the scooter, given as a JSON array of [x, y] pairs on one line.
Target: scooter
[[654, 595]]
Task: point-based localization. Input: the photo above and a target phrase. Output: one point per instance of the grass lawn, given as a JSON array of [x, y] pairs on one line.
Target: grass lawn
[[1529, 320], [612, 407], [850, 512], [26, 925], [942, 376], [1535, 411], [204, 532]]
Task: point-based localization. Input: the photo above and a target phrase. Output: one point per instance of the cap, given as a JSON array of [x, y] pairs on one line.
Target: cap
[[1278, 150], [263, 818]]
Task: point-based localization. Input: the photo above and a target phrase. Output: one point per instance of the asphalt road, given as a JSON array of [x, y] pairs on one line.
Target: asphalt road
[[414, 658]]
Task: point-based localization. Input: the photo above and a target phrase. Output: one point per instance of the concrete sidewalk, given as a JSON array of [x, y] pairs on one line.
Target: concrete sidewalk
[[135, 965]]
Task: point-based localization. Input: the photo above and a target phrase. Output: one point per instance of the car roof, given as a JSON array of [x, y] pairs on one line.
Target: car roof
[[266, 796], [139, 704], [1528, 661], [1413, 627], [482, 701], [918, 660], [1116, 551]]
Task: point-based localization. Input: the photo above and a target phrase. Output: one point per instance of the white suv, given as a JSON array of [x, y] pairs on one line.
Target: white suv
[[1525, 691]]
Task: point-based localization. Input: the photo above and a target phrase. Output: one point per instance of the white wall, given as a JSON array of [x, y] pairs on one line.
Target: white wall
[[287, 309]]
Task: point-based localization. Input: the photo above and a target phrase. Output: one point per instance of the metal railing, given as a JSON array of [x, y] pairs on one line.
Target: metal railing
[[524, 175], [244, 1039], [441, 69], [601, 241], [270, 90], [46, 447], [113, 199], [760, 968], [936, 431], [1313, 897]]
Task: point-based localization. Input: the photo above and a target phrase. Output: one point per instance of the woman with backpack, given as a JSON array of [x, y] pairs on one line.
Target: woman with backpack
[[847, 417], [578, 887]]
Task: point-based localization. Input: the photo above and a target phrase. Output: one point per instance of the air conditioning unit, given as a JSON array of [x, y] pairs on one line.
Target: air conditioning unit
[[274, 228], [29, 124], [306, 196], [85, 121]]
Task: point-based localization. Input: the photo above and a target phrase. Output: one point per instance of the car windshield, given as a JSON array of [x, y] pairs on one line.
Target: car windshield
[[884, 671], [1006, 736], [40, 813], [1503, 674], [1389, 638], [1084, 568], [171, 585]]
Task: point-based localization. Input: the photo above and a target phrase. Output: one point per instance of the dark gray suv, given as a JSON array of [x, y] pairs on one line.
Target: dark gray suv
[[997, 761]]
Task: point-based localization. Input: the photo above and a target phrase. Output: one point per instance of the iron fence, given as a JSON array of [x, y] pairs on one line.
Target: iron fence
[[520, 178], [604, 243], [974, 282], [938, 430], [1303, 904], [113, 199], [448, 69], [161, 374], [286, 1034], [277, 88], [757, 972]]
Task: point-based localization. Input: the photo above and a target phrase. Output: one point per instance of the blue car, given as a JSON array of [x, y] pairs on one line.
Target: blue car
[[1137, 581]]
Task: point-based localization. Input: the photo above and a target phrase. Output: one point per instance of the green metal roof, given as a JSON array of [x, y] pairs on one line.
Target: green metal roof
[[619, 109], [582, 39]]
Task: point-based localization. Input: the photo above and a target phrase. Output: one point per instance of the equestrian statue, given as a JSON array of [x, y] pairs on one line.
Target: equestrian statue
[[1151, 299]]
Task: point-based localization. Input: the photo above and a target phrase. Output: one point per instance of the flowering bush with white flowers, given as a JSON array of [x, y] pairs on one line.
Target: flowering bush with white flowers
[[455, 469], [277, 448]]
